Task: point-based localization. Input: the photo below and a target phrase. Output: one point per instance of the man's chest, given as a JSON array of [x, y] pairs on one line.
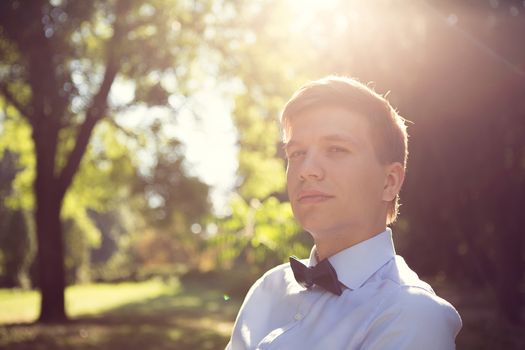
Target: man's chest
[[317, 320]]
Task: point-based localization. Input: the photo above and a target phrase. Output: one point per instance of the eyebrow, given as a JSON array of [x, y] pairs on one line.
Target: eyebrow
[[340, 138], [332, 137]]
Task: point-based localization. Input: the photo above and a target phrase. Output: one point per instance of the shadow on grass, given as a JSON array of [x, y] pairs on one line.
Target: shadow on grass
[[197, 316], [192, 317]]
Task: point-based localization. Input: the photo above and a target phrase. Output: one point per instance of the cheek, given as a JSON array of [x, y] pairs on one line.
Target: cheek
[[374, 182], [361, 182]]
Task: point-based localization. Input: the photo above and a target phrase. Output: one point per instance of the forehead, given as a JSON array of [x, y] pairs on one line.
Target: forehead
[[326, 122]]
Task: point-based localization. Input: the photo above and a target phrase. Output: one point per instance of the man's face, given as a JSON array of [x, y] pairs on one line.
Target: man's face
[[335, 180]]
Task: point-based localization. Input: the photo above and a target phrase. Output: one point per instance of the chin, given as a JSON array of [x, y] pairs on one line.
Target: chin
[[315, 228], [320, 228]]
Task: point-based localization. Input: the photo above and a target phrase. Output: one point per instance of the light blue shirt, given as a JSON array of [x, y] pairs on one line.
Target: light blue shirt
[[384, 306]]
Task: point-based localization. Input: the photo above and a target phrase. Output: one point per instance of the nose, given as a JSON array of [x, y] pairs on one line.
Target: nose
[[311, 168]]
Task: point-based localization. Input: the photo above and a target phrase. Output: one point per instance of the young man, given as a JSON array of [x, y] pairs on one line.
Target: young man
[[346, 149]]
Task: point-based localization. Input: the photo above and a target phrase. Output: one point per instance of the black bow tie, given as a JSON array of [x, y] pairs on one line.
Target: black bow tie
[[322, 274]]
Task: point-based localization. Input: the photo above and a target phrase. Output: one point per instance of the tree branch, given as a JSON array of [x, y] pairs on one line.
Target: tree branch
[[12, 100], [98, 107], [121, 128]]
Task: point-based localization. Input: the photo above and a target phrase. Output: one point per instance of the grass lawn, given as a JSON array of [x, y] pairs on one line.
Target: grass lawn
[[146, 315], [196, 315]]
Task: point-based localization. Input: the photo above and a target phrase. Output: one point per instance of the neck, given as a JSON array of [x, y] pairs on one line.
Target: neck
[[329, 244]]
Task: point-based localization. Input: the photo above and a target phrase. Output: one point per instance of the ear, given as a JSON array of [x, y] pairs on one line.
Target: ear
[[394, 177]]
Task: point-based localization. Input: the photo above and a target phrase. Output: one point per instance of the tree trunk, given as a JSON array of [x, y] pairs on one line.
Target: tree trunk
[[51, 277], [50, 259]]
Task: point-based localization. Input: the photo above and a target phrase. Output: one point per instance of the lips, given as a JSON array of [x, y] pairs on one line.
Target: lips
[[312, 196]]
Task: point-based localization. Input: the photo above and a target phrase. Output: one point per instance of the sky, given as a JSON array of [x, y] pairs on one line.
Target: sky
[[210, 142], [205, 128]]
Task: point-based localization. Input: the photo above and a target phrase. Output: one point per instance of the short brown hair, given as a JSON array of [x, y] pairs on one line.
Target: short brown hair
[[389, 132]]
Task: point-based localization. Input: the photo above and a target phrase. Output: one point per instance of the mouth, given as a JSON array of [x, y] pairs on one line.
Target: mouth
[[310, 197]]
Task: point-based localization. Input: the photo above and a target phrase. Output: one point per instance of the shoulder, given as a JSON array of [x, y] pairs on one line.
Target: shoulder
[[277, 272], [277, 278], [416, 298], [270, 289], [410, 315], [410, 303], [412, 318], [412, 307], [418, 304]]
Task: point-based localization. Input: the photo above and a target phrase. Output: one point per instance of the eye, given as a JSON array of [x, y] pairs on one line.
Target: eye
[[337, 149], [295, 154]]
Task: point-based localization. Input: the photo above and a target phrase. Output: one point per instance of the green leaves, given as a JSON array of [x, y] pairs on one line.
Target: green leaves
[[15, 136]]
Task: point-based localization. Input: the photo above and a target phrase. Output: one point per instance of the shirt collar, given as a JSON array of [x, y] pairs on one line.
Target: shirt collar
[[356, 264]]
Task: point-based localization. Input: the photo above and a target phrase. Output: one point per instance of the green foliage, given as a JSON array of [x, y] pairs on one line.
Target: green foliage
[[17, 248], [15, 137], [17, 236], [262, 175], [76, 260], [261, 229], [106, 165], [60, 80], [174, 198], [261, 234]]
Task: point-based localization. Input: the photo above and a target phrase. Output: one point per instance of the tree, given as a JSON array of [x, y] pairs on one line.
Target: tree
[[59, 62]]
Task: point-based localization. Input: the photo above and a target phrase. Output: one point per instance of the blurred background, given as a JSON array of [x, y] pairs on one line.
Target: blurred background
[[141, 178]]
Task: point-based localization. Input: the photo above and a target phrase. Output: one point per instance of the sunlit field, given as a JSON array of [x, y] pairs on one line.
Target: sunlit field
[[147, 315], [22, 306]]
